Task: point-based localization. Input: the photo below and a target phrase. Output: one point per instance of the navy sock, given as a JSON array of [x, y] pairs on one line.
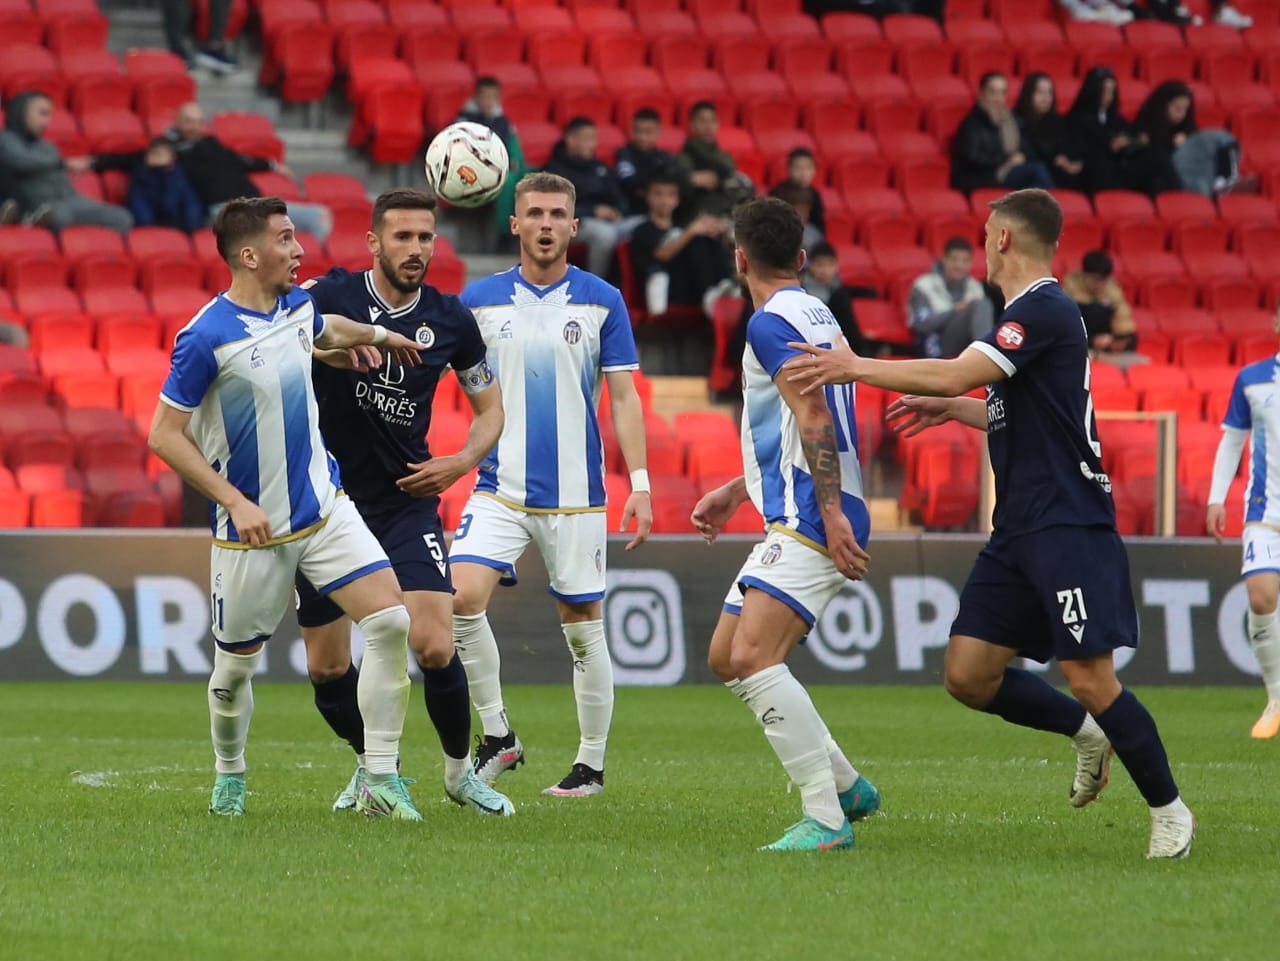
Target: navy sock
[[449, 706], [1133, 733], [1027, 699], [339, 706]]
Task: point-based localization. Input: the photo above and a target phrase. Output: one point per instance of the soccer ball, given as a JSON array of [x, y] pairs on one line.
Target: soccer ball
[[467, 164]]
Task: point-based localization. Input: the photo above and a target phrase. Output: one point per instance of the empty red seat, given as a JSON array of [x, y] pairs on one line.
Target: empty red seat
[[15, 505], [131, 509], [87, 388], [57, 509], [1120, 205]]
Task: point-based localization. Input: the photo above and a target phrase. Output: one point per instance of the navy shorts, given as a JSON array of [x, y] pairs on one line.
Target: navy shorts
[[414, 541], [1062, 593]]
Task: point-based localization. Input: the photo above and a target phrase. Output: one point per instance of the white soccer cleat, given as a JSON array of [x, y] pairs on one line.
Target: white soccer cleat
[[1267, 726], [494, 755], [346, 801], [581, 781], [1172, 829], [1093, 763]]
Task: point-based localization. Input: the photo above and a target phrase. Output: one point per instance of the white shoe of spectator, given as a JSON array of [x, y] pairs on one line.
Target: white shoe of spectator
[[1229, 16], [1113, 13], [1079, 10]]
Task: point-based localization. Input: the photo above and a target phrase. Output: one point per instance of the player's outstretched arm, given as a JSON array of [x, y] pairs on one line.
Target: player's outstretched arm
[[628, 421], [911, 414], [714, 508], [341, 332], [435, 475], [171, 441], [818, 441], [1225, 464], [929, 378]]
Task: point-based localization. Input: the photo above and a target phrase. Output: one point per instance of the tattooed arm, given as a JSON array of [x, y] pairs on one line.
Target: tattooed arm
[[818, 441]]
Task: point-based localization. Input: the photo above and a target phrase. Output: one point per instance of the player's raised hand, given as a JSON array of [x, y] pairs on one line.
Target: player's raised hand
[[431, 477], [406, 352], [712, 512], [639, 508], [251, 521], [823, 365], [850, 559], [909, 414], [1215, 521]]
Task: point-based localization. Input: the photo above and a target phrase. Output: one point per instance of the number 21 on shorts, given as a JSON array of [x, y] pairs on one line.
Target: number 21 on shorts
[[1073, 612]]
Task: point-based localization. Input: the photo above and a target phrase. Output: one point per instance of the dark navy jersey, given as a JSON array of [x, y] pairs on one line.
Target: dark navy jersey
[[1040, 425], [376, 422]]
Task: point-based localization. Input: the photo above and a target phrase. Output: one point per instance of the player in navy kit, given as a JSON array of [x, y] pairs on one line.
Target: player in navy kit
[[374, 421], [1053, 580]]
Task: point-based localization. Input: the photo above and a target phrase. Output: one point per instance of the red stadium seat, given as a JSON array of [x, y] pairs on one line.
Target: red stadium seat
[[57, 509], [838, 27], [15, 505], [113, 131], [1137, 238], [1231, 293], [903, 29], [1115, 206], [1201, 350], [671, 53], [869, 57], [40, 447]]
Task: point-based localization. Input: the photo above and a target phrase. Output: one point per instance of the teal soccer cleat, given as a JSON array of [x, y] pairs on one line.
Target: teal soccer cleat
[[228, 795], [810, 835], [473, 793], [346, 801], [861, 800], [386, 796]]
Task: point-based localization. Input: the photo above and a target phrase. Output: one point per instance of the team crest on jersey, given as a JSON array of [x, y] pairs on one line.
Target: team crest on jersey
[[572, 332], [303, 340], [1011, 336], [772, 554], [425, 336]]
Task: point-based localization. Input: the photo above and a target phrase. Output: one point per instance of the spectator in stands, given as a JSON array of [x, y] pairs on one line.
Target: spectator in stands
[[212, 55], [1174, 11], [1099, 134], [638, 160], [948, 309], [217, 173], [600, 198], [799, 191], [485, 107], [160, 194], [679, 266], [38, 175], [1101, 11], [821, 278], [1044, 130], [1108, 321], [1173, 153], [988, 149], [714, 182], [875, 8]]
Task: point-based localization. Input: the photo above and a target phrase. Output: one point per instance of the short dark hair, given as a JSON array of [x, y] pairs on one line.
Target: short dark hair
[[702, 105], [242, 220], [646, 113], [402, 198], [956, 243], [488, 81], [987, 77], [791, 192], [821, 249], [770, 233], [663, 175], [578, 123], [797, 153], [1036, 210], [1097, 262], [162, 142]]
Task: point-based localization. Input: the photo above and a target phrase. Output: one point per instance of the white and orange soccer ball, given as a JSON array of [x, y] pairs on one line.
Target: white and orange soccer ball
[[467, 164]]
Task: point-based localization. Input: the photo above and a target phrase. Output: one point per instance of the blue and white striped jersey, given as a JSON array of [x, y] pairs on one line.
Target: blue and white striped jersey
[[1255, 407], [777, 472], [246, 378], [548, 348]]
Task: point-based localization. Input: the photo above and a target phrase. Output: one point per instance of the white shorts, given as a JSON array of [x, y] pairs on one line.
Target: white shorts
[[1261, 550], [789, 569], [572, 545], [253, 588]]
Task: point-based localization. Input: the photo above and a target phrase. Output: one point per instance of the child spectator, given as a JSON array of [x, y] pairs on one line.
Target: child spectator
[[159, 193], [1108, 321], [798, 190], [678, 266]]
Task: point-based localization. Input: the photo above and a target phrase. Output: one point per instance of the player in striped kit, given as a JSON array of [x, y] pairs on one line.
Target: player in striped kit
[[802, 474], [551, 331], [1254, 414], [238, 420]]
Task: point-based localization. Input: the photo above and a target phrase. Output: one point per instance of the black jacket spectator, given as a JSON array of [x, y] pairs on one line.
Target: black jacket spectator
[[636, 167], [1164, 122], [1044, 130], [988, 149], [592, 179], [1100, 135]]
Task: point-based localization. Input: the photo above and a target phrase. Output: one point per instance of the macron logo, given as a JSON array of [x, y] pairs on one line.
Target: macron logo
[[1077, 631], [374, 314]]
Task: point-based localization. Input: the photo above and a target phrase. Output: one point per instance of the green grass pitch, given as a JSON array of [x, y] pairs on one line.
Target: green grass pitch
[[107, 852]]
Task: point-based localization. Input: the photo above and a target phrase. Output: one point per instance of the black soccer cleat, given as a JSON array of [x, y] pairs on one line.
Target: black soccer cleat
[[495, 755], [581, 781]]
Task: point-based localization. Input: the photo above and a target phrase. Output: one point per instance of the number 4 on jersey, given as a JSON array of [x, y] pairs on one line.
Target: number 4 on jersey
[[1073, 612]]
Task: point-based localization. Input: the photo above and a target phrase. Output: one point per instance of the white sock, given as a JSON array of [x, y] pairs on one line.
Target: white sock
[[737, 687], [231, 707], [592, 689], [795, 731], [1264, 635], [383, 688], [1176, 806], [844, 773], [478, 651], [455, 770]]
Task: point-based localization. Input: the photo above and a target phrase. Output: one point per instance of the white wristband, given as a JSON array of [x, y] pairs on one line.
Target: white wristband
[[640, 481], [379, 334]]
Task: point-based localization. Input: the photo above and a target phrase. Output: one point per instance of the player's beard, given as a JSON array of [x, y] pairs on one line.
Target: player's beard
[[391, 273]]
